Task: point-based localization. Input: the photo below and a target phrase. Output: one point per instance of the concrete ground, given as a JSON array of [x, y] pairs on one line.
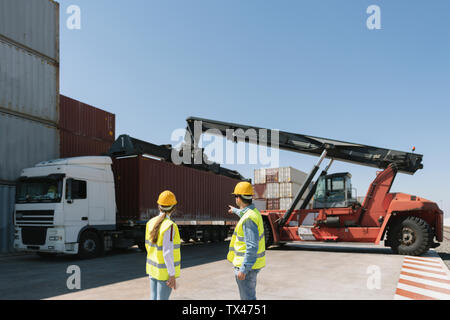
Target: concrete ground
[[295, 271]]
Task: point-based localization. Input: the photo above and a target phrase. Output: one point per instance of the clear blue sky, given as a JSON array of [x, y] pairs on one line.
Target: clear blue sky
[[310, 67]]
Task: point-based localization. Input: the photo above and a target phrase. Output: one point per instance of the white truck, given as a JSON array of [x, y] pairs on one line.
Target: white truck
[[89, 205], [62, 204]]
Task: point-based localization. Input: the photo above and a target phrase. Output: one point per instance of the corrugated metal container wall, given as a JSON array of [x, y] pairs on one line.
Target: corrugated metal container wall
[[260, 176], [28, 84], [7, 195], [72, 145], [273, 190], [202, 196], [33, 24], [289, 174], [84, 120], [260, 191], [273, 204], [288, 189], [272, 175], [24, 143]]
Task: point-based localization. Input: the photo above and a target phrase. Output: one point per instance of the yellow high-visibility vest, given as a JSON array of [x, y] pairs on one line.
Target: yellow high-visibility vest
[[237, 248], [156, 266]]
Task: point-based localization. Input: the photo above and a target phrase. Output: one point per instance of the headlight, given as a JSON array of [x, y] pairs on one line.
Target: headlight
[[55, 238]]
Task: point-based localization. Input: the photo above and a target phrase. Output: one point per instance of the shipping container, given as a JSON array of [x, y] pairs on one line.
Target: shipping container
[[28, 85], [33, 24], [261, 205], [260, 176], [285, 203], [85, 120], [23, 144], [289, 174], [7, 195], [203, 197], [273, 204], [260, 191], [72, 145], [289, 189], [271, 175], [273, 190]]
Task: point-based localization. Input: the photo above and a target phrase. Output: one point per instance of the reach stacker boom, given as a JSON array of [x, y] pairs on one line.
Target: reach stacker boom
[[408, 224]]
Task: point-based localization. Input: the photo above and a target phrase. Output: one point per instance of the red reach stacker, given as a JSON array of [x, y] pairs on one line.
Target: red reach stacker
[[408, 224]]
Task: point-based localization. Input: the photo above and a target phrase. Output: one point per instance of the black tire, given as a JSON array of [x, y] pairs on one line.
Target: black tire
[[141, 246], [268, 233], [222, 234], [410, 236], [90, 246], [215, 235], [206, 235]]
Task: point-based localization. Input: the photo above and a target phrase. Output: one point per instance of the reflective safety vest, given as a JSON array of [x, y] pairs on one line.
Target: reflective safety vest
[[156, 266], [237, 248]]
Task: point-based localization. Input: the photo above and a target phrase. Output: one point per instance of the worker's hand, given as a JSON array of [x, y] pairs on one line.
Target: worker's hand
[[172, 283], [231, 209], [241, 275]]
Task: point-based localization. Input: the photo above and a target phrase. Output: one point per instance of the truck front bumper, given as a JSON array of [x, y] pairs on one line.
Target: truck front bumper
[[54, 241]]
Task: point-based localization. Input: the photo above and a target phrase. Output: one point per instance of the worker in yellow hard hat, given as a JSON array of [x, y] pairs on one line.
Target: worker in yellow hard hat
[[162, 241], [247, 247]]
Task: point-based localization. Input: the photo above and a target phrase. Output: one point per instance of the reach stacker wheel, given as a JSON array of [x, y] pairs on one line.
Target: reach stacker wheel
[[410, 236]]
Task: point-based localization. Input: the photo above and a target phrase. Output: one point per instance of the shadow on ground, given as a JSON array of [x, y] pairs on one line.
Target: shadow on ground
[[327, 247], [29, 277]]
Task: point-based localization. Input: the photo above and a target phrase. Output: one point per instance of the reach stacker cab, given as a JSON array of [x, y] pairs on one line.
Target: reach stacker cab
[[409, 224]]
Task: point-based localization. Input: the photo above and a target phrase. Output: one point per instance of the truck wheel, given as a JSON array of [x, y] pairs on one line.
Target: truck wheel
[[222, 234], [411, 236], [215, 235], [206, 235], [268, 233], [89, 245], [141, 246]]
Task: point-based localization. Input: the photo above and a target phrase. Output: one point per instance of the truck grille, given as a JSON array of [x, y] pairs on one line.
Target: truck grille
[[34, 235], [35, 218]]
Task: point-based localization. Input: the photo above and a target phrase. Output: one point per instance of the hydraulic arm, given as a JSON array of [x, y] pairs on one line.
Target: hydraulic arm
[[359, 154]]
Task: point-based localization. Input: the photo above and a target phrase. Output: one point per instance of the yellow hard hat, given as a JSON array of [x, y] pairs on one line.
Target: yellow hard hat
[[167, 199], [244, 189]]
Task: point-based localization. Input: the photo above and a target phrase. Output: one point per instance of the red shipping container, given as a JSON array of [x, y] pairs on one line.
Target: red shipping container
[[273, 204], [272, 175], [260, 191], [203, 197], [72, 145], [84, 120]]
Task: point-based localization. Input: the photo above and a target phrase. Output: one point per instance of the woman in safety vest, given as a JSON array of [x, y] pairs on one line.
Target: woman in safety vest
[[162, 241]]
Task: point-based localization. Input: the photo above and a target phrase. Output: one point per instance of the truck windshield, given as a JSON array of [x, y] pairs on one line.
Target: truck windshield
[[39, 190]]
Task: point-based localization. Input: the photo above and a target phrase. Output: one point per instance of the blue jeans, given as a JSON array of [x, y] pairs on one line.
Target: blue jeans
[[159, 290], [247, 287]]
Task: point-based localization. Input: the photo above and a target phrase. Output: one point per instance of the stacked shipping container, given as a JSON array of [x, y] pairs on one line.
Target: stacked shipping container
[[84, 129], [29, 95], [278, 186]]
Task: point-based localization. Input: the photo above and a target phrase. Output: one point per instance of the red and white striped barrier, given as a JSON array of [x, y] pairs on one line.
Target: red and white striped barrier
[[423, 278]]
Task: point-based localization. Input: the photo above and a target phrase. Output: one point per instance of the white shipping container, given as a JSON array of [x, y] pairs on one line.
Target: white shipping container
[[24, 143], [260, 204], [29, 85], [260, 176], [285, 203], [289, 174], [33, 24], [273, 190], [289, 189]]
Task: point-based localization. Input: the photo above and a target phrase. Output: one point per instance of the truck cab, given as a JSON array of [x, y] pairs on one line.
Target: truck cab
[[57, 200], [334, 191]]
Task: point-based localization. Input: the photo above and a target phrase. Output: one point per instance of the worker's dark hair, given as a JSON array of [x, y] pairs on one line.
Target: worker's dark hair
[[155, 231], [246, 201]]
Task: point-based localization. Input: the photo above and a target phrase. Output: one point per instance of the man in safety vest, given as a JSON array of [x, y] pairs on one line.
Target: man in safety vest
[[162, 241], [247, 246]]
